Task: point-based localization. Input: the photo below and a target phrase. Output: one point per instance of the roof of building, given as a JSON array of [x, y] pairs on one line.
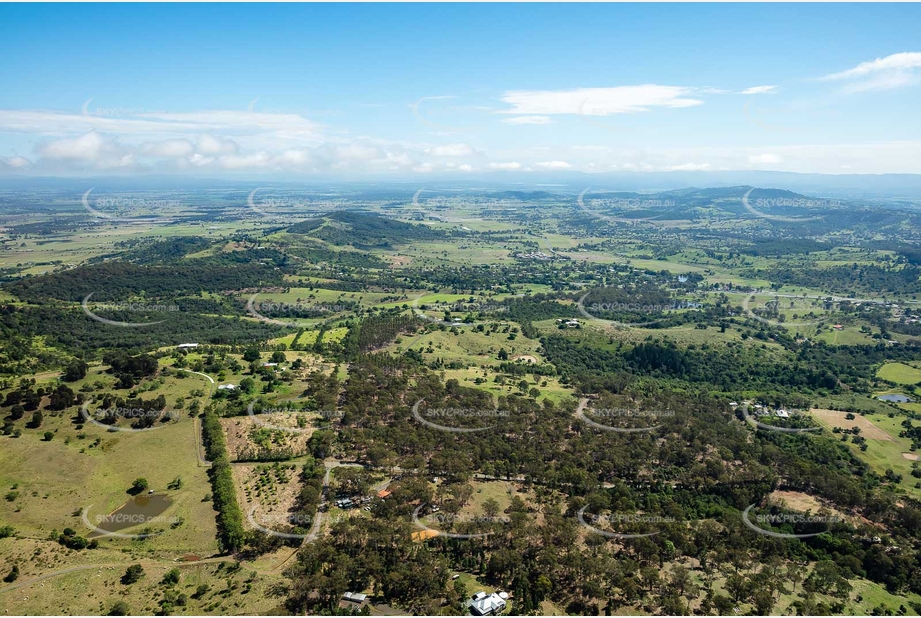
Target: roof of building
[[357, 597], [486, 604]]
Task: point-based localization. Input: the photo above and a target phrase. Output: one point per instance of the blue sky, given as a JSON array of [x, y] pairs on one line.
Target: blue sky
[[394, 90]]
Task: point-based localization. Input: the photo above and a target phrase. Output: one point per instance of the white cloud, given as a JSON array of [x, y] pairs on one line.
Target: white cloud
[[90, 150], [759, 90], [528, 120], [356, 152], [690, 167], [211, 145], [87, 147], [14, 162], [200, 160], [598, 101], [127, 122], [169, 148], [765, 158], [452, 150], [465, 168], [511, 165], [553, 165], [893, 71], [904, 60]]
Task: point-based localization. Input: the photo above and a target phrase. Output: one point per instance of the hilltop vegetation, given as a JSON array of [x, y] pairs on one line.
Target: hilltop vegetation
[[363, 230]]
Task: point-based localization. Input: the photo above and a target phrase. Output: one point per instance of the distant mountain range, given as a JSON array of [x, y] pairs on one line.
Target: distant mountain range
[[518, 184]]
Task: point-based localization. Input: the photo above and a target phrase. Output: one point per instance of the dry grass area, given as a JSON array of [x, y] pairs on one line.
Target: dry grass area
[[243, 431], [271, 489], [836, 418], [526, 358], [399, 261], [800, 502]]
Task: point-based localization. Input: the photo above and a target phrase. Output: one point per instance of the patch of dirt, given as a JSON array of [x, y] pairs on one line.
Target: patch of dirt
[[240, 430], [526, 358], [272, 489], [910, 456], [398, 261], [836, 418], [798, 501]]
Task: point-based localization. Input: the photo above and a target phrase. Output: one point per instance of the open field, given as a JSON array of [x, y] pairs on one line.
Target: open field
[[885, 449], [55, 481], [94, 590], [899, 373], [835, 418]]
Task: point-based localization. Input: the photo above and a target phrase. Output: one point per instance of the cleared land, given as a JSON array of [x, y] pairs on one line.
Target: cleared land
[[836, 418]]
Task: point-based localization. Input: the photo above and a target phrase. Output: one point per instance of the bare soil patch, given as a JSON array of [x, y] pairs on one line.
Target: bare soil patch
[[271, 488], [398, 261], [244, 434], [526, 358], [798, 501], [910, 456], [836, 418]]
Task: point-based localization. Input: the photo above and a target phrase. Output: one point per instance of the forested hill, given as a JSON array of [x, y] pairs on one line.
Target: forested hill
[[363, 229], [120, 280]]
